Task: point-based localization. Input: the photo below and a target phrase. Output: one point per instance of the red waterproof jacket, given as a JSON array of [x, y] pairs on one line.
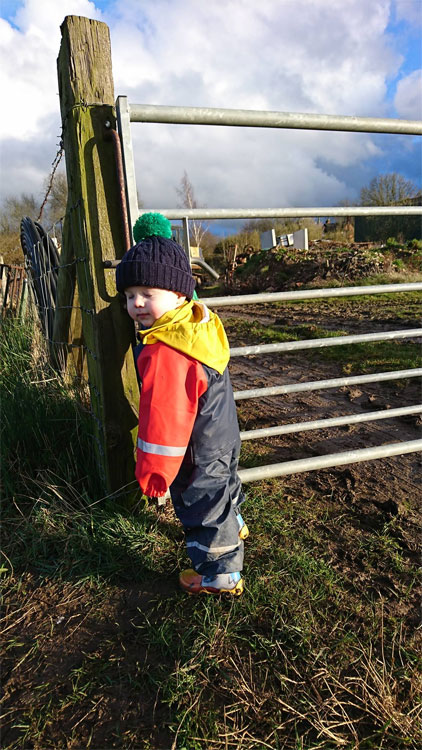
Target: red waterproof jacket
[[186, 405]]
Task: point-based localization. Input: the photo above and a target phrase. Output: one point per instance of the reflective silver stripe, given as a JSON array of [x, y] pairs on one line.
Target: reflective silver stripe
[[213, 550], [205, 314], [161, 450]]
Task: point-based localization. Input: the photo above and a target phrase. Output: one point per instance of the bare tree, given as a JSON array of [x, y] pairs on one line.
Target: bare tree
[[258, 225], [187, 195], [57, 200], [14, 209], [387, 190]]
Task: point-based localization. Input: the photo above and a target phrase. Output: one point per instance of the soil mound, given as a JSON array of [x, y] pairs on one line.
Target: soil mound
[[280, 269]]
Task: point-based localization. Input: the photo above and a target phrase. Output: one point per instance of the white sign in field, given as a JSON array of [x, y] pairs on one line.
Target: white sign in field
[[298, 239]]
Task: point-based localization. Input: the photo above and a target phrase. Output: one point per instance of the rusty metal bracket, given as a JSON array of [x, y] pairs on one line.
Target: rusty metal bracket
[[113, 135]]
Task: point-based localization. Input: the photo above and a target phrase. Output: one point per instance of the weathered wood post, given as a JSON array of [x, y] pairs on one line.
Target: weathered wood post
[[87, 109]]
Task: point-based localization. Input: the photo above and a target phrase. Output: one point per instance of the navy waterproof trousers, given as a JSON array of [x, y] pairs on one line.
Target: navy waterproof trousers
[[207, 498]]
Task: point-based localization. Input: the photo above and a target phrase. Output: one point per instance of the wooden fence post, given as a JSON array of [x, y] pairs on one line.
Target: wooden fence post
[[87, 109]]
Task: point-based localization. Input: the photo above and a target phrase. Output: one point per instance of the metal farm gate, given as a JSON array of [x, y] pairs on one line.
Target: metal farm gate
[[127, 113]]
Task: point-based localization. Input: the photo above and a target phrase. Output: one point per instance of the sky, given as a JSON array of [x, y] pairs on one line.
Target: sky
[[346, 57]]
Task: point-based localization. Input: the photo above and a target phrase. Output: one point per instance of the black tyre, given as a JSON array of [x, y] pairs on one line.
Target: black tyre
[[42, 271]]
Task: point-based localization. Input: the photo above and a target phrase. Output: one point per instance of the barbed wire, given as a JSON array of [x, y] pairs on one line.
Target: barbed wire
[[58, 157], [55, 163], [82, 104]]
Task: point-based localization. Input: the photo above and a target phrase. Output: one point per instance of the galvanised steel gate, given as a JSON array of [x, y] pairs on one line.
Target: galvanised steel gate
[[248, 118]]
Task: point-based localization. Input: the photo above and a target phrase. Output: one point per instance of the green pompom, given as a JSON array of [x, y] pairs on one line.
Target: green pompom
[[151, 225]]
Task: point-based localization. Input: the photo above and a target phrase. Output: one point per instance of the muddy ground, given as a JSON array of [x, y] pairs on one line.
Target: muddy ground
[[378, 489]]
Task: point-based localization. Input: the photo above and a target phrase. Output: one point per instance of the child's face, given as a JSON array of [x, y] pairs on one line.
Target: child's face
[[146, 304]]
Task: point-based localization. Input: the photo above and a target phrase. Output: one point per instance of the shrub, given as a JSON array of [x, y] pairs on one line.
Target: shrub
[[414, 245]]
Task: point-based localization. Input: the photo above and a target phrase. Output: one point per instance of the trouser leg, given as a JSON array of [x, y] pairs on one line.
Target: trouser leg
[[235, 484], [203, 500]]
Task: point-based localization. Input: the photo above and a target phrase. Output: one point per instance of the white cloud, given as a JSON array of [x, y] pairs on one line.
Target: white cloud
[[289, 55], [28, 76], [249, 55], [408, 98], [409, 10], [297, 56]]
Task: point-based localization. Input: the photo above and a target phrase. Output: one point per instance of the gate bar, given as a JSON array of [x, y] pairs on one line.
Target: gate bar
[[347, 291], [286, 346], [316, 424], [203, 264], [274, 213], [270, 119], [325, 462], [316, 385]]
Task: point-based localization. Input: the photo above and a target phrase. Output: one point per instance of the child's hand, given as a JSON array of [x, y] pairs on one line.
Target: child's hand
[[157, 486]]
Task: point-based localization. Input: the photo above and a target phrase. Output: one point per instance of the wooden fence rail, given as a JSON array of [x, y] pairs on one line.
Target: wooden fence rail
[[13, 290]]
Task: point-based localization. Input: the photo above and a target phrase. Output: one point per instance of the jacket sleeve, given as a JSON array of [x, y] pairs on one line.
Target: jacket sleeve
[[172, 384]]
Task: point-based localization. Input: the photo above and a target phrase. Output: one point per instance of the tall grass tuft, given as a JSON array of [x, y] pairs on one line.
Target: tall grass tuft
[[53, 499], [44, 425]]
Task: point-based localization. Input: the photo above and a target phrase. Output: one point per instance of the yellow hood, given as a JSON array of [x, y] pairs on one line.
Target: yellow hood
[[194, 330]]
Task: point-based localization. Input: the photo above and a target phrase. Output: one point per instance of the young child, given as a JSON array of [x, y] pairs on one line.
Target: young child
[[188, 437]]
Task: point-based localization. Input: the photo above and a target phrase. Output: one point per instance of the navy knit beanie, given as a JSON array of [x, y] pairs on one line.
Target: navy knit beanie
[[156, 260]]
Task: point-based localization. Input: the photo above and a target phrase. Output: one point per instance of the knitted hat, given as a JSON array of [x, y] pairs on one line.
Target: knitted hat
[[156, 260]]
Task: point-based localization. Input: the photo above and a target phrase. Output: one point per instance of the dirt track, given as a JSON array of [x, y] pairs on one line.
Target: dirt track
[[381, 488]]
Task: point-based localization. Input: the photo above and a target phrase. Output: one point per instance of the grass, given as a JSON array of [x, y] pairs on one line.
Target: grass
[[101, 650], [354, 358], [42, 416]]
